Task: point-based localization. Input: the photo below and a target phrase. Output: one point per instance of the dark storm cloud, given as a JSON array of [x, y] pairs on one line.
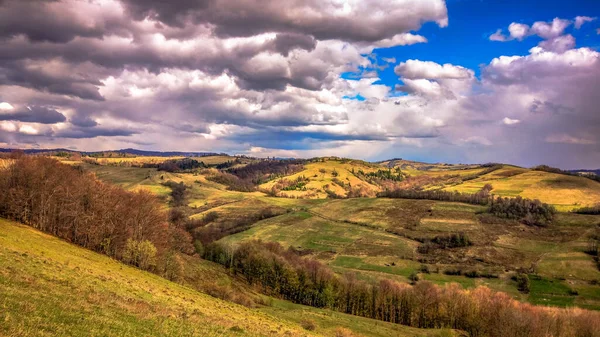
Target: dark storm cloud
[[297, 140], [85, 132], [65, 79], [52, 21], [320, 19], [34, 114], [286, 42], [82, 121]]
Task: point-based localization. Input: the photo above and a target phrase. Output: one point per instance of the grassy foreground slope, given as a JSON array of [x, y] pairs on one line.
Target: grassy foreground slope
[[49, 287]]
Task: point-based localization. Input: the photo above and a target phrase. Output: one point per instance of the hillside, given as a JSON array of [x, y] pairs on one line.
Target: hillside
[[565, 192], [49, 287], [325, 177]]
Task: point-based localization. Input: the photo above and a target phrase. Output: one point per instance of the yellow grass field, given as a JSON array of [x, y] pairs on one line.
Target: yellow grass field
[[563, 191]]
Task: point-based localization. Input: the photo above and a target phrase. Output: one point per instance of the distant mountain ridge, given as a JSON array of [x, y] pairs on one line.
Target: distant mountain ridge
[[127, 151], [596, 172]]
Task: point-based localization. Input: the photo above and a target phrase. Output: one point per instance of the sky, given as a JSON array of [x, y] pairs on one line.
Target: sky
[[457, 81]]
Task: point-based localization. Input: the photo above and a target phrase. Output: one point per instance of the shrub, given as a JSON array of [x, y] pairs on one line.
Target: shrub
[[308, 324], [452, 272], [413, 277], [174, 268], [199, 247], [237, 329], [140, 253], [472, 274], [523, 283]]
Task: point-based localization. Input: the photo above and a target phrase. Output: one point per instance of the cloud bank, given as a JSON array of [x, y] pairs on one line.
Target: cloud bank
[[268, 79]]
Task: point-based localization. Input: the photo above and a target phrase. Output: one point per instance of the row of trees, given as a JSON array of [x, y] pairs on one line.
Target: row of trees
[[265, 170], [479, 312], [178, 165], [530, 212], [593, 210], [551, 169], [73, 205]]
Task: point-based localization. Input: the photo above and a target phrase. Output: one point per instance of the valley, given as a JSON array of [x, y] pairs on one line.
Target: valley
[[366, 237]]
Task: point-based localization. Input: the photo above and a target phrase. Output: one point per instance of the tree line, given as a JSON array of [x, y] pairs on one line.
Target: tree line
[[69, 203], [482, 197], [178, 165], [247, 178], [265, 170], [529, 212], [550, 169], [480, 312], [592, 210]]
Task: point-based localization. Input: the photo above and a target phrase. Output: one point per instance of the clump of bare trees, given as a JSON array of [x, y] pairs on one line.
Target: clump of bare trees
[[72, 204]]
